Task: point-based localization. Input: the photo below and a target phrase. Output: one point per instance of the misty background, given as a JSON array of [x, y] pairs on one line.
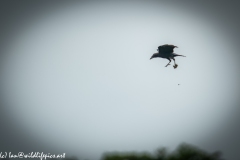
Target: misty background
[[76, 78]]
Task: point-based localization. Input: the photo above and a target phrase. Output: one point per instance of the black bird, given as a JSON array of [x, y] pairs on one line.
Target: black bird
[[166, 51]]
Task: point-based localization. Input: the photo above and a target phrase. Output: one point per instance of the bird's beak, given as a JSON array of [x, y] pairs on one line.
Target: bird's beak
[[151, 58]]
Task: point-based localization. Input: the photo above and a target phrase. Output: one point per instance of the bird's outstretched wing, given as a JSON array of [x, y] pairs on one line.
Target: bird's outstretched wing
[[167, 48]]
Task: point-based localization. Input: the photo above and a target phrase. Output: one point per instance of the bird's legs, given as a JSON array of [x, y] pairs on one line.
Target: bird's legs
[[175, 64], [168, 62], [174, 61]]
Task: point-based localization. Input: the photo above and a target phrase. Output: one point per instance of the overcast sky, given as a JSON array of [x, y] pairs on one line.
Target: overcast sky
[[76, 76]]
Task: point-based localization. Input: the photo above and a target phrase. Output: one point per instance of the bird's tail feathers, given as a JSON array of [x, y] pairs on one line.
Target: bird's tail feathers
[[178, 55]]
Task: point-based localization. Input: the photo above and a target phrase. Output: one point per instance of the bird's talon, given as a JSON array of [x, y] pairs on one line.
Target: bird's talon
[[175, 66]]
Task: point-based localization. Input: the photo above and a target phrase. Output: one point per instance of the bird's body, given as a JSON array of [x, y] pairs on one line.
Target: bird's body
[[166, 51]]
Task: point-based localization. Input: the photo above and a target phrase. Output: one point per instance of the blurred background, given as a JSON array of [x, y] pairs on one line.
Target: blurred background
[[75, 76]]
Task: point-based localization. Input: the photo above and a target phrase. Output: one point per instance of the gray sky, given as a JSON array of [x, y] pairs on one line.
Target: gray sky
[[76, 76]]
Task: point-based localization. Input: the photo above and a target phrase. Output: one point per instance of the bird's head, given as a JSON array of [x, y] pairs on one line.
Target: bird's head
[[154, 55]]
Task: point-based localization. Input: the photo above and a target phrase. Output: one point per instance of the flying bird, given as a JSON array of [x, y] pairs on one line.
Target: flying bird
[[166, 51]]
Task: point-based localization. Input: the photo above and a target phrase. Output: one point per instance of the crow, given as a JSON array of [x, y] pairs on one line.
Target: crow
[[166, 51]]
